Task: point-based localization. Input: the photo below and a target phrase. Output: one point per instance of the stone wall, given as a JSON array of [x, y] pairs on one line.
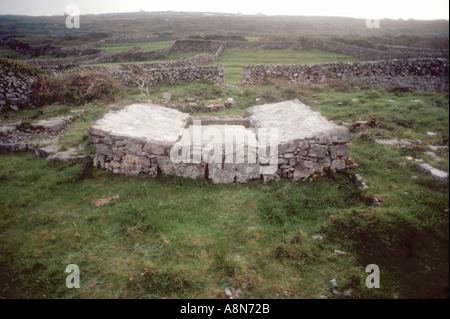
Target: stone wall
[[187, 70], [17, 91], [126, 73], [311, 44], [132, 56], [63, 63], [20, 85], [423, 74]]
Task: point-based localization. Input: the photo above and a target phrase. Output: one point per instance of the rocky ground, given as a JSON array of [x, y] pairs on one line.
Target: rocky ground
[[42, 137]]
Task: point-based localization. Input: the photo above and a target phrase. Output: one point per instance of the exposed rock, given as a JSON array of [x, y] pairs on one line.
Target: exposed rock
[[347, 293], [69, 154], [53, 125], [339, 252], [436, 148], [167, 96], [6, 129], [48, 150], [437, 174], [333, 282], [230, 102], [433, 156], [376, 202], [394, 142]]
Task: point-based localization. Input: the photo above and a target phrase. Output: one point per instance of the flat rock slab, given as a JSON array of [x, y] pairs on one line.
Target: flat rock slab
[[433, 156], [437, 174], [296, 121], [438, 148], [6, 129], [394, 142], [69, 154], [150, 122], [54, 124]]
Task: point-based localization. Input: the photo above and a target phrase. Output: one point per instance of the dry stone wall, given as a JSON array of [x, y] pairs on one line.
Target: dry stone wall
[[361, 53], [63, 63], [187, 70], [423, 74], [17, 91], [126, 74]]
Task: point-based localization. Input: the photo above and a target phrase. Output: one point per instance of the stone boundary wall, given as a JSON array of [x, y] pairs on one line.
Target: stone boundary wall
[[310, 44], [197, 60], [135, 56], [187, 70], [126, 74], [17, 91], [105, 57], [366, 54], [63, 63], [422, 74], [218, 46]]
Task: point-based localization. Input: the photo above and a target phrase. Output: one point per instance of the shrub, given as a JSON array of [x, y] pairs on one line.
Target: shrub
[[8, 65], [78, 88]]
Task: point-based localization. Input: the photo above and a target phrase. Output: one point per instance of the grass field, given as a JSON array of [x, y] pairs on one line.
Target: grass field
[[234, 60], [11, 54], [178, 238], [146, 46]]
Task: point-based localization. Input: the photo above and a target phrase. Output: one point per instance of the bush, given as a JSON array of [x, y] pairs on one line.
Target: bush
[[8, 65], [78, 88]]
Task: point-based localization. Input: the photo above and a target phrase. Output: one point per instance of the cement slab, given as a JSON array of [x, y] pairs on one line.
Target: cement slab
[[144, 121]]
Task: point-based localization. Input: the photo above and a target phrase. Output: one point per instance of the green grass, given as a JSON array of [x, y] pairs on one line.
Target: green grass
[[174, 56], [169, 237], [146, 46], [234, 60], [184, 235], [12, 54]]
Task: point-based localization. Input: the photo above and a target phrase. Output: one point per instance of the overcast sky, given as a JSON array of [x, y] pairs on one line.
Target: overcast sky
[[394, 9]]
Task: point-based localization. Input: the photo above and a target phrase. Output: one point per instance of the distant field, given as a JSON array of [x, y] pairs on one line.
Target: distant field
[[12, 54], [233, 61], [174, 56], [146, 46]]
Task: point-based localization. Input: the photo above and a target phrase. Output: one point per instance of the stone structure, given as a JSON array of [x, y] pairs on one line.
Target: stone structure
[[64, 63], [20, 85], [127, 74], [429, 74], [150, 139], [361, 53], [41, 136]]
